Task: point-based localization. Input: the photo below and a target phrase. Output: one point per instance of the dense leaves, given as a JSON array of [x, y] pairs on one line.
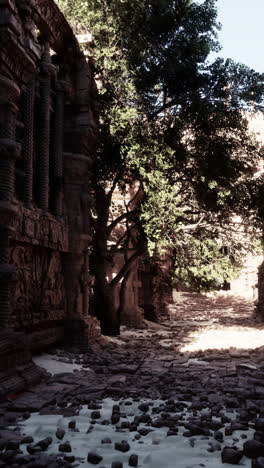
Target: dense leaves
[[178, 124]]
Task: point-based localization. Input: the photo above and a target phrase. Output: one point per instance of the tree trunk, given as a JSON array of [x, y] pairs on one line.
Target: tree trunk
[[104, 303], [102, 261], [122, 296], [105, 306]]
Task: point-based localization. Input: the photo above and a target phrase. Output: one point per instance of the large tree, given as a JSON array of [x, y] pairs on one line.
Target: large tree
[[177, 124]]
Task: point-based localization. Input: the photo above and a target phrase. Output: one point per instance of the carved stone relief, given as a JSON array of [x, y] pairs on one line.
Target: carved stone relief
[[38, 295]]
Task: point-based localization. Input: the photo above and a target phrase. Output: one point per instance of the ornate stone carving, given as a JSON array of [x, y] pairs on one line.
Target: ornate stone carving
[[36, 293], [29, 227], [56, 27], [28, 117], [44, 129], [9, 91], [57, 153]]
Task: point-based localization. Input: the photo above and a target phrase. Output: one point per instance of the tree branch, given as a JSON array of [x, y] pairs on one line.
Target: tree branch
[[111, 191], [165, 106], [118, 220], [117, 244], [139, 251], [134, 196], [194, 226]]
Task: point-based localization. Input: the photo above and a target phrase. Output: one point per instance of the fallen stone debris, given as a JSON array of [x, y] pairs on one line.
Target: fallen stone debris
[[135, 402]]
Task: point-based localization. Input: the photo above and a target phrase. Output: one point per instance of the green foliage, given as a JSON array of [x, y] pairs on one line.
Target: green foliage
[[178, 124], [205, 264]]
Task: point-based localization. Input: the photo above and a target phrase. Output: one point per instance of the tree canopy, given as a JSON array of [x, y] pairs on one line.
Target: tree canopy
[[178, 124]]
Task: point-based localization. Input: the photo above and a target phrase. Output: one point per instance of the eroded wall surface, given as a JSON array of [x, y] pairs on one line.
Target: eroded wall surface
[[48, 139]]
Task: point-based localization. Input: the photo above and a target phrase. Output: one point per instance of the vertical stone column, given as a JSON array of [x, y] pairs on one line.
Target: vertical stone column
[[9, 149], [57, 202], [28, 117], [86, 282], [9, 152], [44, 130]]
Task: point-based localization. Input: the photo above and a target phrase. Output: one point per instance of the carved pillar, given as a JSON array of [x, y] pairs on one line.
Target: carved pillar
[[9, 152], [57, 202], [86, 282], [9, 149], [76, 262], [44, 131], [28, 117]]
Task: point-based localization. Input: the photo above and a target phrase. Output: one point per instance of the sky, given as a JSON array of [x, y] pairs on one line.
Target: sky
[[242, 34]]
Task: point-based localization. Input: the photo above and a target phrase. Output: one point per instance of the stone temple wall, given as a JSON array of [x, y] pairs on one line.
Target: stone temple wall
[[48, 139]]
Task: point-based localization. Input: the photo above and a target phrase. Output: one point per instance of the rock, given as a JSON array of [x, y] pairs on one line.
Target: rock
[[29, 402], [259, 424], [228, 431], [144, 407], [215, 425], [197, 430], [172, 432], [259, 436], [32, 449], [2, 444], [106, 440], [117, 464], [244, 416], [116, 409], [258, 463], [7, 458], [123, 369], [145, 418], [65, 447], [125, 424], [69, 458], [94, 406], [115, 418], [133, 427], [253, 448], [236, 426], [133, 460], [144, 431], [72, 425], [27, 440], [230, 455], [218, 435], [44, 443], [22, 459], [214, 447], [12, 445], [60, 433], [95, 415], [94, 458], [122, 446]]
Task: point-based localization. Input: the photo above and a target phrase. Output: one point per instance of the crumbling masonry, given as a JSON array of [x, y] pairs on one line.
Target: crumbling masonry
[[48, 137]]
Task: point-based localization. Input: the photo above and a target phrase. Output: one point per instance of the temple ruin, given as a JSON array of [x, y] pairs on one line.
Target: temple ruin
[[48, 138], [48, 143]]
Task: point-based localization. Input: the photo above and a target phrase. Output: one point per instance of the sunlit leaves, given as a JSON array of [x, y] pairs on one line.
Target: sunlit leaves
[[177, 124]]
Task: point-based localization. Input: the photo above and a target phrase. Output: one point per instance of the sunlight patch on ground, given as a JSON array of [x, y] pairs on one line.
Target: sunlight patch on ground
[[155, 450], [54, 365], [224, 338]]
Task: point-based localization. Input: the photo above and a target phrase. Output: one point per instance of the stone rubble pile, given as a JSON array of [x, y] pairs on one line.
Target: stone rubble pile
[[213, 397]]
